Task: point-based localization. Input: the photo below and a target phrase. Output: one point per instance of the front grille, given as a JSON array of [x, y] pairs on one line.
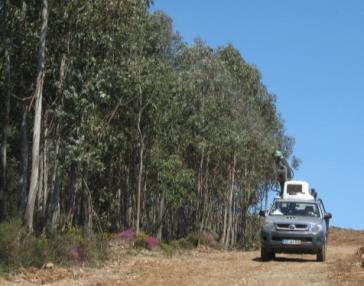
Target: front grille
[[283, 225], [291, 227], [301, 226], [303, 239]]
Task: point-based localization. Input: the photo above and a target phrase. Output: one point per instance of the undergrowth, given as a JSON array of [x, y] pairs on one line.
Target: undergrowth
[[19, 249], [143, 241]]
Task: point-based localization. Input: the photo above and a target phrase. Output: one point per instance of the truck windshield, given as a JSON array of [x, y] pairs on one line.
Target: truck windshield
[[295, 209]]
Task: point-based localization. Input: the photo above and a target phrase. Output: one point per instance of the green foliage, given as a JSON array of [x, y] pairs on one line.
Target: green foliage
[[139, 241], [10, 235], [185, 243], [169, 249], [251, 237], [174, 180], [195, 239], [172, 247], [190, 242]]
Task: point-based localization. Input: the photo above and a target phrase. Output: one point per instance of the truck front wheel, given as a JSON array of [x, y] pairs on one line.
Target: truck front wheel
[[266, 254], [321, 255]]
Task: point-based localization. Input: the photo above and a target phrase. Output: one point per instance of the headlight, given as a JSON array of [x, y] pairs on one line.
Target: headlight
[[316, 227]]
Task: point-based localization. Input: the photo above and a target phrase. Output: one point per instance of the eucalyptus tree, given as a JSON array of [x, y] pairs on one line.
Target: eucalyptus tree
[[38, 97], [258, 130]]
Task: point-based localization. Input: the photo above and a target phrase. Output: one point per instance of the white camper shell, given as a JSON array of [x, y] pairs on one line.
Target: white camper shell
[[298, 190]]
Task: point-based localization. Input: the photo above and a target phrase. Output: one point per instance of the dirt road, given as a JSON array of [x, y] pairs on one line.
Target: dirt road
[[210, 267]]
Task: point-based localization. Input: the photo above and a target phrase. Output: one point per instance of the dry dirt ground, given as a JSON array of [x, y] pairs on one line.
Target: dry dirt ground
[[344, 266]]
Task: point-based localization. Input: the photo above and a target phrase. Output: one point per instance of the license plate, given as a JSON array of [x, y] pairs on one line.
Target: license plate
[[291, 241]]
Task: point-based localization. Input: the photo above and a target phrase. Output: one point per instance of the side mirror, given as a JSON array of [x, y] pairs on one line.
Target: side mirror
[[262, 213], [327, 216]]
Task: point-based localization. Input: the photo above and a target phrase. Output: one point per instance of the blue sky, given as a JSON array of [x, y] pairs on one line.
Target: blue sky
[[311, 56]]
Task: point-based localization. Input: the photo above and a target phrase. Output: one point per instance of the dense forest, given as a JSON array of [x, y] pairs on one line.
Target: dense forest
[[110, 121]]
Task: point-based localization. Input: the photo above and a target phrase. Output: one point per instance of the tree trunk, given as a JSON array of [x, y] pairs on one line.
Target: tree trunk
[[128, 200], [83, 197], [55, 207], [223, 237], [119, 204], [198, 206], [24, 148], [45, 166], [29, 211], [204, 198], [141, 157], [160, 216], [39, 199], [54, 204], [4, 143], [42, 194], [24, 160], [71, 202], [231, 194], [140, 176], [88, 210]]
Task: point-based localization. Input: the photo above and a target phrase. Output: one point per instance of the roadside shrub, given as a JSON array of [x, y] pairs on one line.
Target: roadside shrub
[[70, 247], [145, 241], [168, 248], [74, 247], [151, 242], [127, 235], [193, 239], [19, 249], [251, 235], [10, 244], [139, 240], [196, 239], [176, 244], [35, 251], [186, 243], [211, 242]]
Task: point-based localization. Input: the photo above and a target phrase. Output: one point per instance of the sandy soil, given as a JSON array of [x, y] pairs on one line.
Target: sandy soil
[[210, 267]]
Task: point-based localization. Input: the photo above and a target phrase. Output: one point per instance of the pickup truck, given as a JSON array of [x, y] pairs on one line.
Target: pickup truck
[[295, 224]]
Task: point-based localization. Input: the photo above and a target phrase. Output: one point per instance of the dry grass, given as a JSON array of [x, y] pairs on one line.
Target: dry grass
[[350, 268], [340, 236]]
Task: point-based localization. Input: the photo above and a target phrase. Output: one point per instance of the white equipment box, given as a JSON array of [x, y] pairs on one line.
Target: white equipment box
[[297, 190]]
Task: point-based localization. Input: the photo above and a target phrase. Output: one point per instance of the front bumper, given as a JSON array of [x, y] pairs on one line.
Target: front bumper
[[310, 242]]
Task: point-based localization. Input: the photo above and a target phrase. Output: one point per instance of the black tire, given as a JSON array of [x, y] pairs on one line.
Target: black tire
[[321, 255], [266, 254]]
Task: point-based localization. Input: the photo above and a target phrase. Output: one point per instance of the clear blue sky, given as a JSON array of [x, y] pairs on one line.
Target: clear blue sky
[[311, 56]]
